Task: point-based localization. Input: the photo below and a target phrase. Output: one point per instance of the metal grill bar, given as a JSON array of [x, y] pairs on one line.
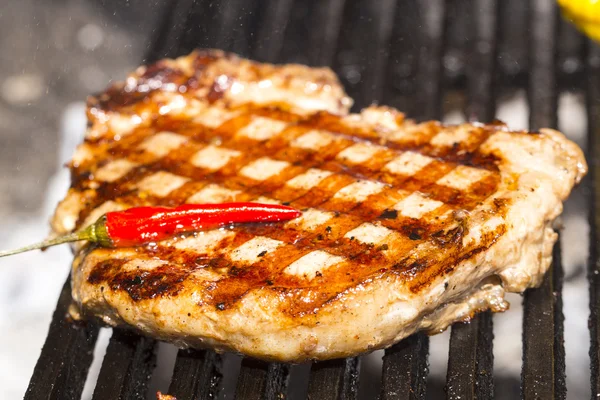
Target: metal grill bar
[[402, 60], [470, 362], [570, 57], [458, 38], [430, 71], [363, 48], [270, 35], [405, 369], [481, 67], [593, 108], [238, 20], [328, 15], [312, 32], [196, 375], [63, 365], [259, 380], [252, 379], [542, 96], [168, 37], [126, 368], [543, 374], [334, 380], [200, 23], [404, 374], [512, 49], [277, 380]]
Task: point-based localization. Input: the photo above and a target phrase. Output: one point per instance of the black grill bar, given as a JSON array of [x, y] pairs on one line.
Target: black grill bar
[[278, 375], [312, 32], [513, 58], [363, 47], [405, 369], [63, 365], [270, 33], [404, 374], [238, 22], [259, 380], [198, 25], [168, 37], [399, 89], [571, 56], [430, 71], [471, 359], [334, 379], [542, 95], [126, 368], [593, 108], [481, 68], [328, 17], [543, 374], [196, 375]]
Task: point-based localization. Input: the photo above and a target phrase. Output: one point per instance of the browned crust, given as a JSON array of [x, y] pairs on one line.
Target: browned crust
[[136, 97]]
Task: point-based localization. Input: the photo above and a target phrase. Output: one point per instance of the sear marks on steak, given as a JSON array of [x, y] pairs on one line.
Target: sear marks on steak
[[406, 226]]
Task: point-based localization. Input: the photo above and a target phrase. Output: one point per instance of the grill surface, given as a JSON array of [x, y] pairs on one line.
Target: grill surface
[[408, 55]]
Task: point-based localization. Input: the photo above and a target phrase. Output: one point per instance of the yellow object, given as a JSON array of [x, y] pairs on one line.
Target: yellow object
[[585, 14]]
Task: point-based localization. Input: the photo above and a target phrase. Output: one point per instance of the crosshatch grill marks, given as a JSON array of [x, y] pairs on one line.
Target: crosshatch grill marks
[[408, 163], [213, 193], [310, 219], [421, 273], [411, 135], [311, 265], [308, 179], [235, 280], [415, 136], [232, 280], [261, 128], [416, 205], [369, 209], [272, 269], [338, 238], [225, 173], [263, 168], [317, 195], [231, 127], [367, 254], [254, 249], [369, 224], [214, 117], [361, 153], [463, 177], [114, 170], [162, 143], [214, 158], [161, 183]]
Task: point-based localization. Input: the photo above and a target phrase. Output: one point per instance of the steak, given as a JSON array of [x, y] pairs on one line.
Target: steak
[[406, 226]]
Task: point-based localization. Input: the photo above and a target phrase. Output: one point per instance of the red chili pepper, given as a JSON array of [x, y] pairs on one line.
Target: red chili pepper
[[140, 225]]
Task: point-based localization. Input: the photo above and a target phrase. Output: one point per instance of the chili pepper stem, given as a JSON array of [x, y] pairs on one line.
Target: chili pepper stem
[[72, 237], [139, 225]]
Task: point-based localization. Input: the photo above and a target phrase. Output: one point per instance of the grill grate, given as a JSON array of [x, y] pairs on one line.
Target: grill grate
[[593, 107], [408, 55], [542, 317]]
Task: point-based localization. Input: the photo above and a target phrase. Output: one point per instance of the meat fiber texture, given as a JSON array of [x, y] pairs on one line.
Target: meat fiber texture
[[406, 226]]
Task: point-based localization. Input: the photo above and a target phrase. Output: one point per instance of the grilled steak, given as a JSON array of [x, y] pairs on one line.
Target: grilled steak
[[406, 226]]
